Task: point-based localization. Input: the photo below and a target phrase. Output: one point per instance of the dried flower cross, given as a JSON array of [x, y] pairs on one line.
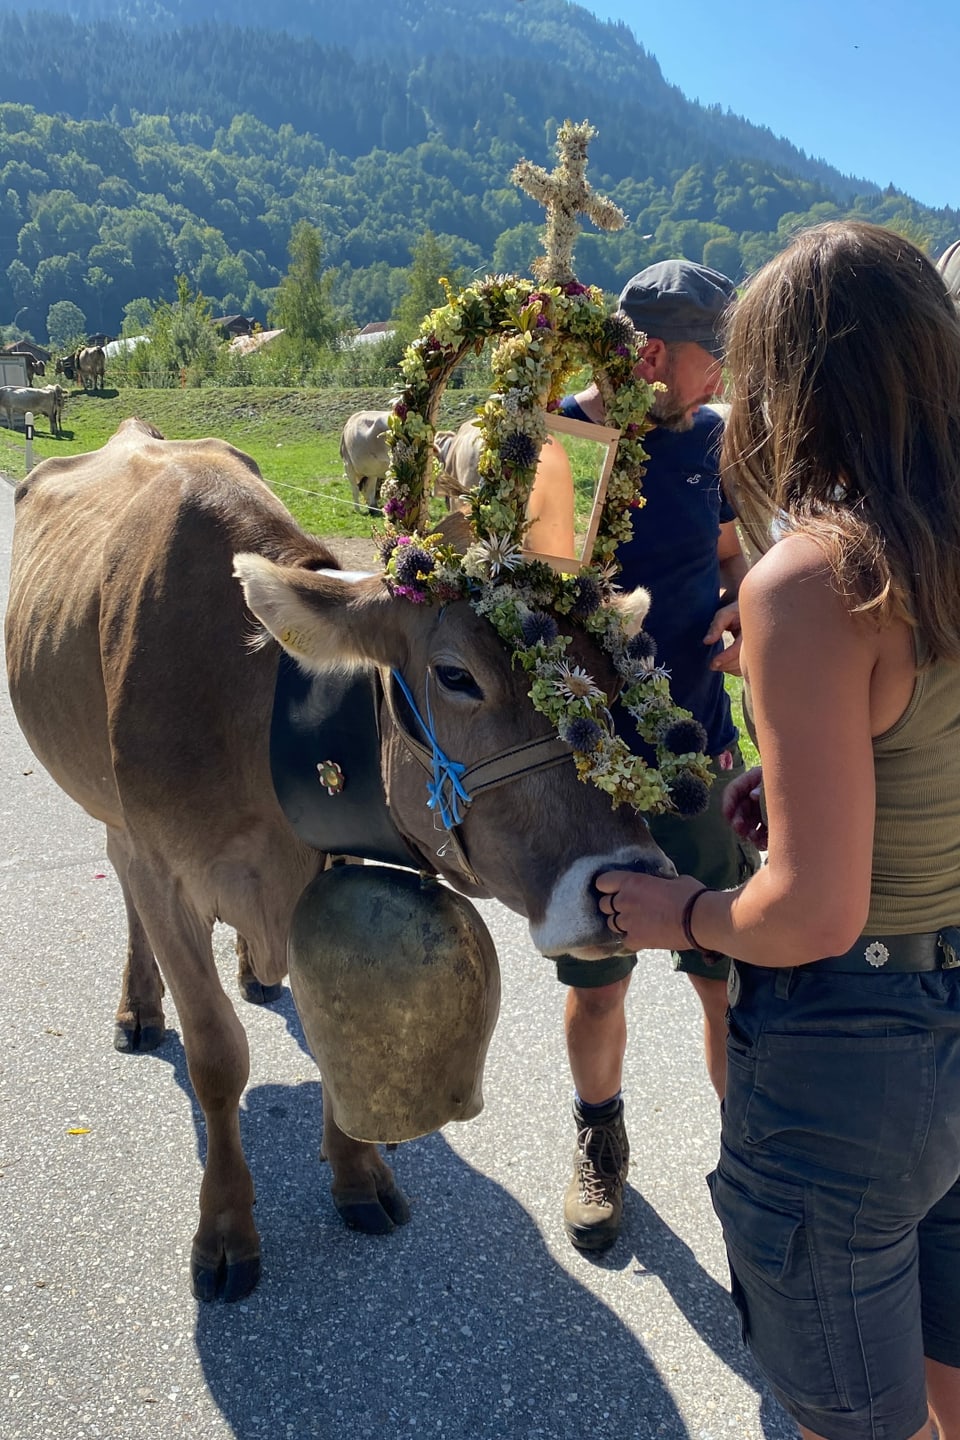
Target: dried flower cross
[[565, 194]]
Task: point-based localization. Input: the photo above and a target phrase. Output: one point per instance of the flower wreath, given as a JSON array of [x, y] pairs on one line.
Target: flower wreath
[[544, 334]]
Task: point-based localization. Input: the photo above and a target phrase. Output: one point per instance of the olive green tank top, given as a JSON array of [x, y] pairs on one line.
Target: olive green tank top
[[916, 842]]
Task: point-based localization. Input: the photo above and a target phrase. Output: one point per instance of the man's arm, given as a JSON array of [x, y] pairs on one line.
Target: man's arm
[[733, 568]]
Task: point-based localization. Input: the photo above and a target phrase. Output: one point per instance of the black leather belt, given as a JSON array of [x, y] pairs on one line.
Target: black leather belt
[[932, 950]]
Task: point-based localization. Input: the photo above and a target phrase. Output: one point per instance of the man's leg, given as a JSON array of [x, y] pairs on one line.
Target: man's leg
[[596, 1033], [596, 1028]]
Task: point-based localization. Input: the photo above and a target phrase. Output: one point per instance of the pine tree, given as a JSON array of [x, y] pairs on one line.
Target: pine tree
[[302, 306]]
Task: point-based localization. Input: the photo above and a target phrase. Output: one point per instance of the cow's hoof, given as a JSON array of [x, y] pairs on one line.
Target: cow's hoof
[[223, 1281], [258, 994], [138, 1039], [378, 1216]]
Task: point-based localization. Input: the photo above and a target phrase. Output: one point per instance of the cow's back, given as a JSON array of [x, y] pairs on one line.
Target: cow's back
[[128, 648], [363, 443]]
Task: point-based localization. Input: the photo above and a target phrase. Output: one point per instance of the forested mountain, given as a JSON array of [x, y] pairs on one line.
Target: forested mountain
[[141, 140]]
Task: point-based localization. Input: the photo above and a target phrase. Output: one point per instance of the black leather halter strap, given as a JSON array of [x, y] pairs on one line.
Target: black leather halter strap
[[499, 769]]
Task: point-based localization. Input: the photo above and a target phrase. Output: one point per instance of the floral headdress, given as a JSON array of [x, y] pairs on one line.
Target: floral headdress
[[544, 331]]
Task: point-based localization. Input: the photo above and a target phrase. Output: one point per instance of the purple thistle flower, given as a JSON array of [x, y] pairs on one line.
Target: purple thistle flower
[[400, 410], [642, 646], [683, 736], [575, 288], [394, 509], [587, 597], [538, 628], [581, 732], [618, 330], [689, 794], [411, 563], [518, 449], [543, 323]]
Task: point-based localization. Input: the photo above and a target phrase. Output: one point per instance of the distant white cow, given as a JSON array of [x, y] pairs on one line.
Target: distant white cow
[[366, 456], [459, 452], [18, 399], [363, 450]]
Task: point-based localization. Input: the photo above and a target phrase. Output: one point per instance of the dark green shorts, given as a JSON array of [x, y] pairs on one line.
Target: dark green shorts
[[704, 847]]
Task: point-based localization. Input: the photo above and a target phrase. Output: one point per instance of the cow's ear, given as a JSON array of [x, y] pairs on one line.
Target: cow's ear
[[633, 606], [324, 621]]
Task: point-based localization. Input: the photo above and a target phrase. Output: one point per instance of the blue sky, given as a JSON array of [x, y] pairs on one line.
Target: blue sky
[[871, 88]]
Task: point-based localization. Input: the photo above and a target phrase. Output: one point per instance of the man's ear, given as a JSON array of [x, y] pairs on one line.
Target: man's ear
[[653, 361]]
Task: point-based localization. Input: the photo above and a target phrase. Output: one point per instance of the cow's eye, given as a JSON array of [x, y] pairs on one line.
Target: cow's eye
[[458, 681]]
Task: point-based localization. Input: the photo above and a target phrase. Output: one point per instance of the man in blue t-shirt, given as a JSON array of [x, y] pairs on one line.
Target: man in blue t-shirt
[[685, 551]]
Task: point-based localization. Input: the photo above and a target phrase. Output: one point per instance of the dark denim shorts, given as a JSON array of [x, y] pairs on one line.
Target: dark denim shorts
[[838, 1189]]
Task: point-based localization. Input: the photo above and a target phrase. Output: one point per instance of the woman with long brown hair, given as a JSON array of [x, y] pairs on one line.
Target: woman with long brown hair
[[838, 1184]]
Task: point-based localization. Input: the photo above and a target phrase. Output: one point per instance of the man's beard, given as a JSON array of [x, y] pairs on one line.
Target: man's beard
[[666, 413]]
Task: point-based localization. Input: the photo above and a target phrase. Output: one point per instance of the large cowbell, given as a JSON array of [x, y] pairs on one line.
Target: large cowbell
[[397, 985]]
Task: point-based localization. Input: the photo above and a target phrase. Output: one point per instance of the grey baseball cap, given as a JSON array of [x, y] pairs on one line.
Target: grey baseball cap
[[679, 301]]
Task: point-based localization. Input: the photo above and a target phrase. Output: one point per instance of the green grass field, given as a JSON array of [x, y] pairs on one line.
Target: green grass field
[[294, 437]]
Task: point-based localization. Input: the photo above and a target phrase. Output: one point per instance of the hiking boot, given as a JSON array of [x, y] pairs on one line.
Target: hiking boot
[[593, 1203]]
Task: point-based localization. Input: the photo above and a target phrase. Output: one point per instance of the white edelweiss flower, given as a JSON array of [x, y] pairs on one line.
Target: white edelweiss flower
[[498, 552], [573, 682]]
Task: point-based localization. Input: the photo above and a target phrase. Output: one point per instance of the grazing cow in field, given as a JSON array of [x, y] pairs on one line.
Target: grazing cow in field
[[459, 452], [134, 680], [90, 366], [365, 456], [49, 400]]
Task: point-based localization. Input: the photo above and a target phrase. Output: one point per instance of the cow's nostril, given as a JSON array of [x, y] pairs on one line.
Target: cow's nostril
[[659, 865]]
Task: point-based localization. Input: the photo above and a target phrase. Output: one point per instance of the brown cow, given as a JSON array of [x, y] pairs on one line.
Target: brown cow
[[133, 678], [89, 366]]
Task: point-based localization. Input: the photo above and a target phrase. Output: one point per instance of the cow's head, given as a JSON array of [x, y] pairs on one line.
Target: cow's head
[[535, 843]]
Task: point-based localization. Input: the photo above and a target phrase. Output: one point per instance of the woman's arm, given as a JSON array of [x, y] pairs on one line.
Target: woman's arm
[[550, 505], [810, 665]]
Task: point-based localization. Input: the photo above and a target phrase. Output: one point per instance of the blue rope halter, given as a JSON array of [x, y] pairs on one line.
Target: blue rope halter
[[448, 797]]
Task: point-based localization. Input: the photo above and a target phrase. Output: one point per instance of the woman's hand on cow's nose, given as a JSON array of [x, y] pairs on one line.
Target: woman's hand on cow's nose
[[644, 909]]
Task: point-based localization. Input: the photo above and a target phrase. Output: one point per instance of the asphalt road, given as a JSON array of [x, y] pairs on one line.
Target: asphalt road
[[476, 1320]]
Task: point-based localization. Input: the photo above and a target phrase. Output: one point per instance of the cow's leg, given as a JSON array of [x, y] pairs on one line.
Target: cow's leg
[[368, 490], [139, 1023], [251, 988], [364, 1188], [225, 1256]]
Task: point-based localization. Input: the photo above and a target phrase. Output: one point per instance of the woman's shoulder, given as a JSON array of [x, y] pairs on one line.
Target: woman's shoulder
[[794, 562]]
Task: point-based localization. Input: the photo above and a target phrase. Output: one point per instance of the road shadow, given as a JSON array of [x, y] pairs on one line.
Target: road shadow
[[705, 1305], [461, 1324]]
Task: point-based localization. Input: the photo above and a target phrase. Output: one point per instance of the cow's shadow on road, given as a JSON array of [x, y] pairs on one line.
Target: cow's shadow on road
[[461, 1324]]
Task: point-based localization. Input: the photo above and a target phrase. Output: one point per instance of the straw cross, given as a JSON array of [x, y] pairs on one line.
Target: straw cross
[[565, 194]]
